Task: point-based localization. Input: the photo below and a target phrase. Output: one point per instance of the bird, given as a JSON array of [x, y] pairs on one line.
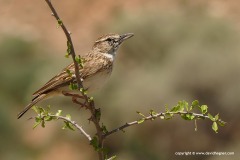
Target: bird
[[96, 70]]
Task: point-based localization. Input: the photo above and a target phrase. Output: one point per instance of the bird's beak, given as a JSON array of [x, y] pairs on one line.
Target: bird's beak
[[125, 37]]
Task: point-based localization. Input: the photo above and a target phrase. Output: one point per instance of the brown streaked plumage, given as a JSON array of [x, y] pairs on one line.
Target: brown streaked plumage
[[96, 69]]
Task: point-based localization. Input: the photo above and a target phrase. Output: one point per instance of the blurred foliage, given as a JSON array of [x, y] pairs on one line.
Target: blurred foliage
[[19, 62], [188, 55]]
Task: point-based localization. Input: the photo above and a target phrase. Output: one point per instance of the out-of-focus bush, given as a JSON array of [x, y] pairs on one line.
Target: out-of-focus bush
[[20, 60], [187, 55]]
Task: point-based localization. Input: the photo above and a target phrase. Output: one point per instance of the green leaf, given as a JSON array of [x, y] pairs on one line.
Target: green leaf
[[180, 106], [195, 103], [68, 48], [204, 109], [36, 109], [59, 112], [216, 117], [73, 86], [38, 121], [188, 116], [98, 114], [175, 109], [141, 114], [69, 72], [215, 127], [67, 55], [221, 123], [152, 113], [68, 116], [83, 91], [168, 116], [69, 51], [43, 123], [68, 44], [79, 60], [68, 125], [94, 143], [166, 108], [105, 152], [104, 129], [48, 118], [191, 108], [59, 23], [185, 105], [36, 124], [211, 117], [90, 99], [41, 110], [45, 112], [141, 121]]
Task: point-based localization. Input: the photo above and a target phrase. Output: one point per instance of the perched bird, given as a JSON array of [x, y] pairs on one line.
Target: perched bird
[[97, 68]]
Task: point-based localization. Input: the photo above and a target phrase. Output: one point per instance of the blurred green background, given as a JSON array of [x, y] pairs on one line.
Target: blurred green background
[[182, 50]]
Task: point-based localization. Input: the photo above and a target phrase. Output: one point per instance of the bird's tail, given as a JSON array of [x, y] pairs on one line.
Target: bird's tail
[[34, 101]]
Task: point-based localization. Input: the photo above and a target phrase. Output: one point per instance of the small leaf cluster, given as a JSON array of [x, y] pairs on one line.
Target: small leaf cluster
[[83, 91], [59, 23], [80, 61], [73, 86], [67, 124], [69, 49], [187, 112], [216, 121], [95, 143], [43, 116]]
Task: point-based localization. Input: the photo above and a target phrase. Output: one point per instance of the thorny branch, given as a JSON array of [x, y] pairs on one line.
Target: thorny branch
[[91, 106], [74, 124], [152, 117], [69, 39]]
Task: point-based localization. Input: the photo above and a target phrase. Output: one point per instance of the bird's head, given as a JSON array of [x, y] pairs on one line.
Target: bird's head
[[109, 44]]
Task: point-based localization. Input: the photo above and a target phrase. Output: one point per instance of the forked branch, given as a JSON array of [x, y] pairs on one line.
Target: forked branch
[[91, 105], [153, 117]]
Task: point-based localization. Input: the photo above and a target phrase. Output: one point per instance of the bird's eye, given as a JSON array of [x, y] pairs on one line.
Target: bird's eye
[[110, 41]]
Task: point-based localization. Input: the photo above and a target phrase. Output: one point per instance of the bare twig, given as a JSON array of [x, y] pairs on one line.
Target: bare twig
[[152, 117], [74, 124]]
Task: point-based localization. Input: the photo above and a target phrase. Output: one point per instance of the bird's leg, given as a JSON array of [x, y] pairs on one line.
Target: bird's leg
[[75, 97]]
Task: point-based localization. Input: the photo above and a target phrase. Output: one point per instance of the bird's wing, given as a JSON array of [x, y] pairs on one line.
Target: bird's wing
[[61, 78], [93, 63]]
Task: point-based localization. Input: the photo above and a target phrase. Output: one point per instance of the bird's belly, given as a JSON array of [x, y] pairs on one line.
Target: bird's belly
[[96, 81], [91, 83]]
